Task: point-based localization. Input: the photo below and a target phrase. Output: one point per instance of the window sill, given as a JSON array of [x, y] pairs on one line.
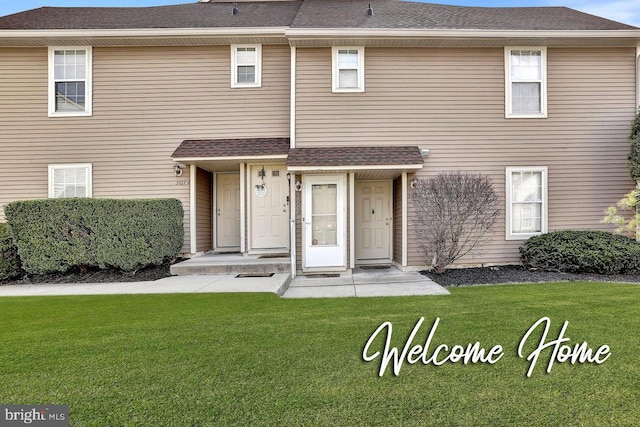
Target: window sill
[[350, 90], [246, 86], [80, 114], [521, 236], [526, 116]]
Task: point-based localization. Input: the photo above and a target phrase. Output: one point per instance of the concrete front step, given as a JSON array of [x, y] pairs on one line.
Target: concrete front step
[[224, 264]]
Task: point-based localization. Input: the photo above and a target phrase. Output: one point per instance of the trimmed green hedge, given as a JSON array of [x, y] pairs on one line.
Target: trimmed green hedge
[[586, 251], [9, 261], [56, 235]]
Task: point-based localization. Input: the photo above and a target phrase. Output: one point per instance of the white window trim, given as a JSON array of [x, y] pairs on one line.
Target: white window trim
[[335, 70], [545, 201], [87, 166], [88, 83], [508, 84], [258, 65]]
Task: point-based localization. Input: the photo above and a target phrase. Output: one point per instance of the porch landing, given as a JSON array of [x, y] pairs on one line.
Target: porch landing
[[233, 263], [364, 283]]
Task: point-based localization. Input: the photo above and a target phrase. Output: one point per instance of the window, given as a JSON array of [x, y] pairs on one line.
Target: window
[[348, 69], [246, 66], [70, 81], [526, 202], [73, 180], [526, 82]]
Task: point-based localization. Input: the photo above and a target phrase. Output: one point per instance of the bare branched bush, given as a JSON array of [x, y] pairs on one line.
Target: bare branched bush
[[454, 212]]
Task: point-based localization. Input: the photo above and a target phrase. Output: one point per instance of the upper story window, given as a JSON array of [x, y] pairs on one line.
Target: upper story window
[[70, 81], [348, 69], [246, 66], [526, 201], [72, 180], [526, 82]]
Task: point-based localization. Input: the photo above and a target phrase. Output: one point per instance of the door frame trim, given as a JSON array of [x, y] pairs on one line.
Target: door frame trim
[[378, 261], [217, 248], [249, 183], [342, 194]]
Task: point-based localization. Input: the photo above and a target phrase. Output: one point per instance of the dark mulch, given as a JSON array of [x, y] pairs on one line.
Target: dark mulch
[[516, 274], [95, 276]]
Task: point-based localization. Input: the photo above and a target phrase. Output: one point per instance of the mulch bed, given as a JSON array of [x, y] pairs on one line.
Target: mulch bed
[[516, 274], [95, 276]]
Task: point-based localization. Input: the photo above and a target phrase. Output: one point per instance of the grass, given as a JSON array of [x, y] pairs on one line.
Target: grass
[[233, 359]]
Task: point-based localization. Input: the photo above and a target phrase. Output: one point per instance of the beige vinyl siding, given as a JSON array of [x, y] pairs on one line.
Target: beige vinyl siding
[[146, 100], [452, 102], [204, 205]]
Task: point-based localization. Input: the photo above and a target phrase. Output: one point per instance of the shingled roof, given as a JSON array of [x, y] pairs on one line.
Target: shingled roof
[[355, 156], [257, 14], [231, 148], [396, 14], [307, 14]]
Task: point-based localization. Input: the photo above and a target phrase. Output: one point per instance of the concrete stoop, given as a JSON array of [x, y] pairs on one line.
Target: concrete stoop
[[231, 264]]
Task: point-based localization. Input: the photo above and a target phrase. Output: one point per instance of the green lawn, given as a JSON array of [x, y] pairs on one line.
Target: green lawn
[[234, 359]]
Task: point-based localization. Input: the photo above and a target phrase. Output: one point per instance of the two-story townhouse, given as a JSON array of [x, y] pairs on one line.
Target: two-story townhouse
[[298, 126]]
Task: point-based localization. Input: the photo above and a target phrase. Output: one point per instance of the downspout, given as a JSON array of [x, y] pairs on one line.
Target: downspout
[[292, 144], [292, 107]]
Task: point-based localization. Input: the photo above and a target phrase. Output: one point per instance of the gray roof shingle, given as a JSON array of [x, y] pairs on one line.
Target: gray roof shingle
[[396, 14], [250, 147], [355, 156], [388, 14], [193, 15]]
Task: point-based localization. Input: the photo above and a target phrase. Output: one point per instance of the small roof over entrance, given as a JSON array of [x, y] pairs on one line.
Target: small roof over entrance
[[225, 155], [379, 162]]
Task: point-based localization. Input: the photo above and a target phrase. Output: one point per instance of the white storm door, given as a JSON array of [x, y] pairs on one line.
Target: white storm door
[[324, 222], [269, 207], [227, 210], [373, 221]]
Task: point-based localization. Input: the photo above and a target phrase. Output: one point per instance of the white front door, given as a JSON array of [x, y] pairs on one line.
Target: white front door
[[373, 221], [227, 210], [324, 219], [269, 207]]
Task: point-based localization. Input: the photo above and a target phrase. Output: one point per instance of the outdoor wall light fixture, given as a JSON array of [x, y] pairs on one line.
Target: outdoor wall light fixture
[[177, 169], [289, 176], [414, 182], [298, 186]]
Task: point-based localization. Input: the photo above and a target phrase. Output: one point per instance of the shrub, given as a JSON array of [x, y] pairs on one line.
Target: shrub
[[56, 235], [454, 211], [9, 261], [586, 251]]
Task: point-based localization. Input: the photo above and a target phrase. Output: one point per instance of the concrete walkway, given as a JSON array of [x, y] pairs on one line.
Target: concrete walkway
[[362, 283], [175, 284]]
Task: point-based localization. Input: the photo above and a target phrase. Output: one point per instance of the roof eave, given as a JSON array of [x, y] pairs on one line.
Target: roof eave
[[315, 37], [143, 36]]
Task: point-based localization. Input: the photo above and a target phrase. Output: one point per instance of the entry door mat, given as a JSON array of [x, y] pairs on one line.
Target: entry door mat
[[274, 256], [321, 276], [247, 275], [375, 267]]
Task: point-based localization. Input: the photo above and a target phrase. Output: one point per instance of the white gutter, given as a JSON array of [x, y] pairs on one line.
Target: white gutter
[[351, 168], [429, 33], [147, 32], [234, 158]]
